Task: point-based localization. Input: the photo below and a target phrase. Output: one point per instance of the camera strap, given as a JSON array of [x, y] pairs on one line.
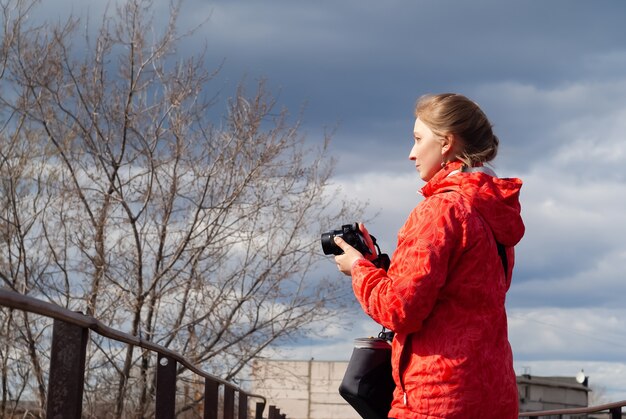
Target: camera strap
[[382, 260]]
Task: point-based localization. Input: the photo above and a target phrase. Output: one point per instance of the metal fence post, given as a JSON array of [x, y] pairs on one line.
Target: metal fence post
[[166, 388], [67, 371], [229, 402], [211, 398], [616, 413], [260, 407], [243, 406]]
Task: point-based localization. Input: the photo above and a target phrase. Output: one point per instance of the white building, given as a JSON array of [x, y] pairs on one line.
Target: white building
[[303, 389]]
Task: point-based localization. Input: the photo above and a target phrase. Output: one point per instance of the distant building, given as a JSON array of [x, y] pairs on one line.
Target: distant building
[[550, 393], [309, 390], [303, 389]]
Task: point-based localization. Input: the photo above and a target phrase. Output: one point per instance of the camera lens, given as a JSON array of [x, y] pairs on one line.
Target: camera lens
[[328, 244]]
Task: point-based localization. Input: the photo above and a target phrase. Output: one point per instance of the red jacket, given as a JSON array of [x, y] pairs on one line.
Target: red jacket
[[445, 290]]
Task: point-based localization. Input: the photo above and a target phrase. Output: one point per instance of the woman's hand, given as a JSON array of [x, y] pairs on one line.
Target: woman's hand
[[346, 260], [350, 254]]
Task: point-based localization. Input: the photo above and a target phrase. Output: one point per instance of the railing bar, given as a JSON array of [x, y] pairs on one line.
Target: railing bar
[[26, 303], [33, 305], [590, 409]]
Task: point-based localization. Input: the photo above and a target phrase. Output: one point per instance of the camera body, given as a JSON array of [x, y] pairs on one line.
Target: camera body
[[351, 234]]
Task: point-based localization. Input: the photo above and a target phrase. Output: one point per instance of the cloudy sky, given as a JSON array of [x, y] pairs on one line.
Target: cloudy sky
[[551, 75]]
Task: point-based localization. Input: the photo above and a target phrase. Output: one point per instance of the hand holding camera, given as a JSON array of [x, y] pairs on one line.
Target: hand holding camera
[[353, 237]]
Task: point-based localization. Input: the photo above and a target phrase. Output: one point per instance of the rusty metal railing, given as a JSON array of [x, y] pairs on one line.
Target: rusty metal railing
[[70, 335], [614, 409]]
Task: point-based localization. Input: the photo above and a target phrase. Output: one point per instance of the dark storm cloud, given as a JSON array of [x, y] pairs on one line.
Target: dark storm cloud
[[362, 64]]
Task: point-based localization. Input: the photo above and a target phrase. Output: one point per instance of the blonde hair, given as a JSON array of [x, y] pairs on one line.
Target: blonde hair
[[450, 113]]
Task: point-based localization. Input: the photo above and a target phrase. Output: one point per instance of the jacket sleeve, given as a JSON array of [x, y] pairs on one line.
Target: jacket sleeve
[[403, 297]]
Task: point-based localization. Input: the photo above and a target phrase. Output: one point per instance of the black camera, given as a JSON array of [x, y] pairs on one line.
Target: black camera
[[351, 234]]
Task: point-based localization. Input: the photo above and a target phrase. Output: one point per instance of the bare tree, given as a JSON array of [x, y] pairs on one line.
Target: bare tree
[[597, 396], [123, 199]]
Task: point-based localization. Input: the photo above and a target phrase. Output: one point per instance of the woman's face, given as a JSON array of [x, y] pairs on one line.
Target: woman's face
[[427, 150]]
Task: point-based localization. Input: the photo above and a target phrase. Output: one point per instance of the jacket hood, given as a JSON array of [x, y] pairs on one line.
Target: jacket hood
[[496, 199]]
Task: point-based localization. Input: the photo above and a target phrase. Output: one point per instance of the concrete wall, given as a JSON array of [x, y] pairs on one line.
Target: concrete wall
[[303, 389]]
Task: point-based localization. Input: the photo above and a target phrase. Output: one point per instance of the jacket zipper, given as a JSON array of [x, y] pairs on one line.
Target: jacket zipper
[[401, 364]]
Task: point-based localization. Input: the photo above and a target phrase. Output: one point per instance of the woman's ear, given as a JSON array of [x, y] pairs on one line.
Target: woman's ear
[[450, 144]]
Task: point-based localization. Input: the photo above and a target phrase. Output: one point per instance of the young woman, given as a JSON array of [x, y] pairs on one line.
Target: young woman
[[444, 292]]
